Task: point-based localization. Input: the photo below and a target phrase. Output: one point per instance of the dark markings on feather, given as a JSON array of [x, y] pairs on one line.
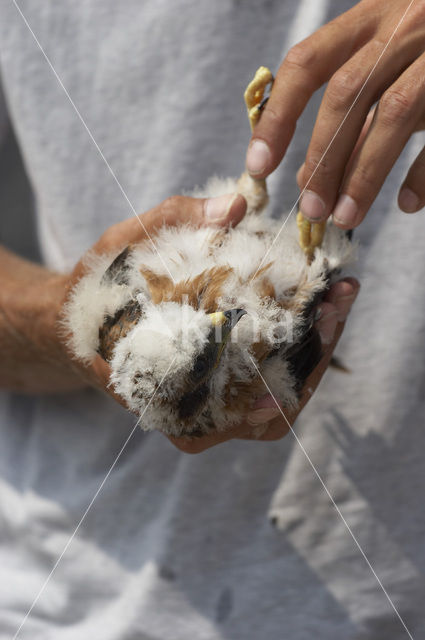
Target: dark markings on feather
[[118, 269], [117, 326], [310, 308], [197, 431], [304, 357], [192, 402]]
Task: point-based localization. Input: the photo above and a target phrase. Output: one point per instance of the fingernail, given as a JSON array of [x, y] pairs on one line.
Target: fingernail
[[326, 326], [258, 158], [346, 211], [217, 209], [408, 200], [262, 415], [312, 206]]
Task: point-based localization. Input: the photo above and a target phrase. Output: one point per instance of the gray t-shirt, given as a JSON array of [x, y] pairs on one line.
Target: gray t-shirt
[[241, 541]]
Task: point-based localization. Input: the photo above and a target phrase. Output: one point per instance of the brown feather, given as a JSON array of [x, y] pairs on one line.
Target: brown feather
[[265, 289], [202, 291], [256, 274], [116, 327], [160, 286]]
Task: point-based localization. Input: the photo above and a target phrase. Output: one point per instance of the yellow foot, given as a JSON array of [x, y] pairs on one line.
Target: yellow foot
[[254, 94], [311, 235]]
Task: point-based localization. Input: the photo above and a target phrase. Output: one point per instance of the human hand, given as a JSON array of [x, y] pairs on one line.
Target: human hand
[[268, 421], [220, 211], [344, 170]]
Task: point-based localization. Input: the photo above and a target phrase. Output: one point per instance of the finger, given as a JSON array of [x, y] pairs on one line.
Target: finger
[[333, 313], [300, 173], [351, 287], [326, 324], [342, 114], [313, 381], [307, 66], [281, 425], [221, 211], [342, 295], [396, 117], [412, 193], [275, 430], [300, 176], [198, 444], [361, 139]]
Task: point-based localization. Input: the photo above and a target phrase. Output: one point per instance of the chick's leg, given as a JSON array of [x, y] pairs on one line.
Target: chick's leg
[[253, 190]]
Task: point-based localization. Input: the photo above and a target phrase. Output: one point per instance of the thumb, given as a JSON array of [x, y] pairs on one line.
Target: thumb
[[223, 210]]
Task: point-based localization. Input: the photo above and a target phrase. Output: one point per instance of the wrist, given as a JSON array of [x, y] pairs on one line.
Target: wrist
[[35, 356]]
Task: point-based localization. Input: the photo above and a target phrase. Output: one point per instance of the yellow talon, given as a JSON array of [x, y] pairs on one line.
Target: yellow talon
[[311, 235], [254, 94]]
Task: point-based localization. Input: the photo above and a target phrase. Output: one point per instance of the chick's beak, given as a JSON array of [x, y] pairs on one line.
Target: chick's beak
[[233, 316], [223, 322]]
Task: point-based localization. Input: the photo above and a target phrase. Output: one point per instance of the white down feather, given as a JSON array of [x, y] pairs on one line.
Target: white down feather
[[158, 342]]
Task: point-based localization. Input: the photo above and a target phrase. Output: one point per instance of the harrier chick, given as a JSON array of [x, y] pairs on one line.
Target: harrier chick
[[184, 349]]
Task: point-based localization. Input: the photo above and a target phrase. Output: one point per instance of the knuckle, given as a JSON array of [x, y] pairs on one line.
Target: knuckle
[[301, 56], [108, 238], [415, 18], [171, 206], [364, 182], [172, 203], [317, 164], [343, 88], [301, 62], [419, 13], [273, 120], [395, 107]]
